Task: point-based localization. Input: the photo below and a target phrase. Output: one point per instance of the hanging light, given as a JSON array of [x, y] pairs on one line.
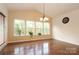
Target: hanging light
[[44, 18]]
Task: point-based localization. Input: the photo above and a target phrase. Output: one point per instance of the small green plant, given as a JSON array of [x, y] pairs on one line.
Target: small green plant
[[31, 34], [39, 34]]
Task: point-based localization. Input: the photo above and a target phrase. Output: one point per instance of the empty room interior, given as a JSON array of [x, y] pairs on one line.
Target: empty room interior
[[39, 29]]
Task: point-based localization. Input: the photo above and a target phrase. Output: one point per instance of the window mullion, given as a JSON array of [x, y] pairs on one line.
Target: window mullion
[[43, 28], [25, 28], [35, 28]]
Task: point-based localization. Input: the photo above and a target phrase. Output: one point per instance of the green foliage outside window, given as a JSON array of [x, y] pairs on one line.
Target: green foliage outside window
[[18, 30]]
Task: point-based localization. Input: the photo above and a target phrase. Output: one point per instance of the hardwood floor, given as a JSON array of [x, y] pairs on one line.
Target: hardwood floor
[[44, 47]]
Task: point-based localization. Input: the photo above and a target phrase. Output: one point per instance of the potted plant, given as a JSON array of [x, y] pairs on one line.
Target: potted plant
[[39, 34], [31, 34]]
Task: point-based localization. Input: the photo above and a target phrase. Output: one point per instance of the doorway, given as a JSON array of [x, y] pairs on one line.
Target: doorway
[[2, 28]]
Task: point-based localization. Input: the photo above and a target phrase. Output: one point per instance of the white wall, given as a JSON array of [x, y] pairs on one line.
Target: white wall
[[3, 9], [67, 32]]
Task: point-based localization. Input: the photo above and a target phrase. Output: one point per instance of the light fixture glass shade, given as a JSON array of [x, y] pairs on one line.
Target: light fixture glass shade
[[41, 19], [45, 19]]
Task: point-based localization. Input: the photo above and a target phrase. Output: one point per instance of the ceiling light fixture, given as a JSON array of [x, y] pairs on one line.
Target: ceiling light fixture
[[44, 18]]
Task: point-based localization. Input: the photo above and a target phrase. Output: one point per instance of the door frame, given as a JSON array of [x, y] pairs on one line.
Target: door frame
[[3, 28]]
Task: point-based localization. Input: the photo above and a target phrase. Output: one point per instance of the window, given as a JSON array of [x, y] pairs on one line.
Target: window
[[39, 27], [19, 27], [46, 28], [30, 27], [23, 27]]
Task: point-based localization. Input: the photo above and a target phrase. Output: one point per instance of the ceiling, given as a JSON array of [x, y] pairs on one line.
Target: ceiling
[[51, 9]]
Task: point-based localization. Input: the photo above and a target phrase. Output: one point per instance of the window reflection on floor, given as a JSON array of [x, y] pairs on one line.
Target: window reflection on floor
[[16, 51], [45, 48], [29, 50], [19, 50], [37, 49]]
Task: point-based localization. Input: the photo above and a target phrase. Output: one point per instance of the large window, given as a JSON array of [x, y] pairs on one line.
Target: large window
[[39, 27], [19, 27], [30, 27], [46, 28], [23, 27]]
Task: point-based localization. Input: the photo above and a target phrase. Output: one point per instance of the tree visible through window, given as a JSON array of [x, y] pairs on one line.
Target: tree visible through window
[[19, 27]]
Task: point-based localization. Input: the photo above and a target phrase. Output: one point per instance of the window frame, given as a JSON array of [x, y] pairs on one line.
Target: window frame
[[25, 21]]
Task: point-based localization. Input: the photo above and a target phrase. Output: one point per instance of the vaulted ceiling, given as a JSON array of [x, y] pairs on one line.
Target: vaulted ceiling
[[51, 9]]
